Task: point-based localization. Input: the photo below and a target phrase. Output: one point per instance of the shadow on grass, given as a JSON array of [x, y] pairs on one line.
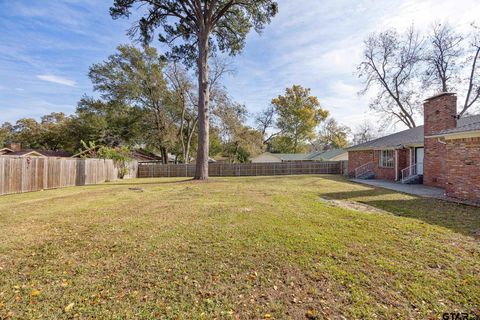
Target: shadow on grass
[[460, 218]]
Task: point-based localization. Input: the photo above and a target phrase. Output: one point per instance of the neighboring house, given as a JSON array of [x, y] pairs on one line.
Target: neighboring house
[[444, 152], [40, 153], [328, 155], [15, 150], [4, 151], [142, 155], [139, 154]]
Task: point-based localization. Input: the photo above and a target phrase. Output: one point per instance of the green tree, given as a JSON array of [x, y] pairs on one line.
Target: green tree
[[199, 28], [108, 123], [121, 157], [298, 114], [239, 141], [135, 77], [27, 131], [216, 144], [332, 135], [284, 144], [53, 135], [6, 133], [184, 109]]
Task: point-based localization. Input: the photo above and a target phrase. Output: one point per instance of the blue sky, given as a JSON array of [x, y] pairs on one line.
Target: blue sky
[[47, 46]]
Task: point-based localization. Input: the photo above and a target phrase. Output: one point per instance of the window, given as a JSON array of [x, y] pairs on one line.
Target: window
[[386, 158]]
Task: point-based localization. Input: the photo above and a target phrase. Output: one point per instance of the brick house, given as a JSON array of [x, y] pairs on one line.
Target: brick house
[[444, 152]]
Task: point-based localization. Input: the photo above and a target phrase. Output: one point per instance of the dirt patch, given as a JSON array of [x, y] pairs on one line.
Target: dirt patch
[[353, 205]]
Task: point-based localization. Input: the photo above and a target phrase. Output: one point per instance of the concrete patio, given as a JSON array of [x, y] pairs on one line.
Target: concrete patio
[[415, 189]]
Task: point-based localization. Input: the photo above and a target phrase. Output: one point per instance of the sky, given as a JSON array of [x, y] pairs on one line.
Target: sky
[[46, 48]]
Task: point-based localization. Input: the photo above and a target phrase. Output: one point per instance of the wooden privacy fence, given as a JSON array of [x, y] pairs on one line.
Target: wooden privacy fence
[[155, 169], [19, 175]]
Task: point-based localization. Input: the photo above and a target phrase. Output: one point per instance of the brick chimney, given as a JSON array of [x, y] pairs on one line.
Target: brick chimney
[[439, 114], [15, 146]]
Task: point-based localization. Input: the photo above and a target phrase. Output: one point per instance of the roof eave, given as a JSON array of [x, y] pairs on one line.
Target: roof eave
[[380, 148], [457, 135]]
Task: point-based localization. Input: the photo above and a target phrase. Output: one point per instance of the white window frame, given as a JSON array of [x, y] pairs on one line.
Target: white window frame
[[386, 159]]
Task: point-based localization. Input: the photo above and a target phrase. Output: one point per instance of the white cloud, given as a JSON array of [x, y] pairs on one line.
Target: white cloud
[[57, 79], [316, 44], [319, 44]]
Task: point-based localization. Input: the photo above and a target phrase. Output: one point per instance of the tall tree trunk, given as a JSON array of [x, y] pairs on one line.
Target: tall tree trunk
[[164, 154], [201, 172]]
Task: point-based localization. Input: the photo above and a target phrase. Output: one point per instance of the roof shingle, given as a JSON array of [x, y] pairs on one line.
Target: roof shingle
[[414, 136]]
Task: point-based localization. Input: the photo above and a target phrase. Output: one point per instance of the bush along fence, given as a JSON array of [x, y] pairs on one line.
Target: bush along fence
[[19, 175], [155, 169]]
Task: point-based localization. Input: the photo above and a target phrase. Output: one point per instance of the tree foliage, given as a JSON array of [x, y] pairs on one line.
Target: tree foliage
[[53, 132], [107, 122], [136, 77], [332, 135], [183, 24], [298, 115], [145, 102], [196, 29], [6, 133], [239, 140], [121, 156]]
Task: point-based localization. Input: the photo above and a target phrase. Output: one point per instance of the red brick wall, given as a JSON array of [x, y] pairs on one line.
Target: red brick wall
[[439, 114], [463, 169], [358, 158], [434, 162], [403, 161]]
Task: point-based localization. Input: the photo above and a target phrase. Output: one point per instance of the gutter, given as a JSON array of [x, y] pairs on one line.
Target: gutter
[[398, 147], [459, 135]]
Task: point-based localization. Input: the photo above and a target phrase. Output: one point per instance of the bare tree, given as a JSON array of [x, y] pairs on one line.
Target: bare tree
[[219, 66], [442, 57], [390, 64], [265, 121], [473, 91], [183, 97], [364, 132]]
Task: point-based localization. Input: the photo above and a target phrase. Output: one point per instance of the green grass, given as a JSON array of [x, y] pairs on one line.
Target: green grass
[[235, 248]]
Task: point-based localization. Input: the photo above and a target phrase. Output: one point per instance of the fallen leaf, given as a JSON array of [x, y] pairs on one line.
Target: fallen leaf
[[35, 293], [69, 307], [310, 314]]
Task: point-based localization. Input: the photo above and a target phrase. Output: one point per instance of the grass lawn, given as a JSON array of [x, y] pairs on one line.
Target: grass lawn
[[236, 248]]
